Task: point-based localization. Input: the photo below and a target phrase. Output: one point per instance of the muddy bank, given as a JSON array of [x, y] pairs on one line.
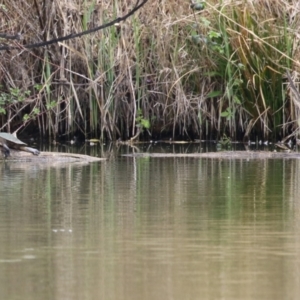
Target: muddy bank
[[223, 155]]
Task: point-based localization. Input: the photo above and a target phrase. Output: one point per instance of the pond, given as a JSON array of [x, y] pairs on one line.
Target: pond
[[150, 228]]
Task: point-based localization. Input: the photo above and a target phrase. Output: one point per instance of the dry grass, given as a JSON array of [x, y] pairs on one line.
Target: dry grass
[[149, 68]]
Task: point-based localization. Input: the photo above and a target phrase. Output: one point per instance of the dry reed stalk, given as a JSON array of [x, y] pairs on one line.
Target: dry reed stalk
[[146, 68]]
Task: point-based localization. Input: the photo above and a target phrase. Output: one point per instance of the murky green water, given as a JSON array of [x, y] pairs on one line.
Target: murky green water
[[151, 228]]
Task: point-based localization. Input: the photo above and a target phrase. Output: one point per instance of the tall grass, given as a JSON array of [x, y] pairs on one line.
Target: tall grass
[[250, 48], [169, 70]]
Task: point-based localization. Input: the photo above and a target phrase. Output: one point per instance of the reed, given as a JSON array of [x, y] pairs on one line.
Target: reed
[[250, 57], [197, 70]]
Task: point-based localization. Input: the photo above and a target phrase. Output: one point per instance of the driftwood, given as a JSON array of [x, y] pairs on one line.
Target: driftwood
[[223, 155], [49, 157]]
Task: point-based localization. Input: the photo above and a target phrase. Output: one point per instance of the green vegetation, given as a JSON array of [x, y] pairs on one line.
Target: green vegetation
[[202, 69]]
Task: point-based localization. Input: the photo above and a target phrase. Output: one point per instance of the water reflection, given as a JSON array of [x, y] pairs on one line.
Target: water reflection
[[150, 228], [112, 149]]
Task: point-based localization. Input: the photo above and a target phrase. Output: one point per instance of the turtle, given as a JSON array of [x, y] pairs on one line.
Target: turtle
[[8, 140]]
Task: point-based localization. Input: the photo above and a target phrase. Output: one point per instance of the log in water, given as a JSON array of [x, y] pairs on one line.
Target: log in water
[[223, 155], [49, 157]]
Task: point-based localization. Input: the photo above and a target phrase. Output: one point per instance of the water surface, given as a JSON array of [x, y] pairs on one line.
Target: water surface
[[150, 228]]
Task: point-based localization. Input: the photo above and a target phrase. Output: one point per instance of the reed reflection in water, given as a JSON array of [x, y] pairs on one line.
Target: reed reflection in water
[[151, 228]]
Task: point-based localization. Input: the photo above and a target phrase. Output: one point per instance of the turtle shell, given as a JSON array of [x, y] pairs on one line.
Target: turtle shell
[[11, 138]]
